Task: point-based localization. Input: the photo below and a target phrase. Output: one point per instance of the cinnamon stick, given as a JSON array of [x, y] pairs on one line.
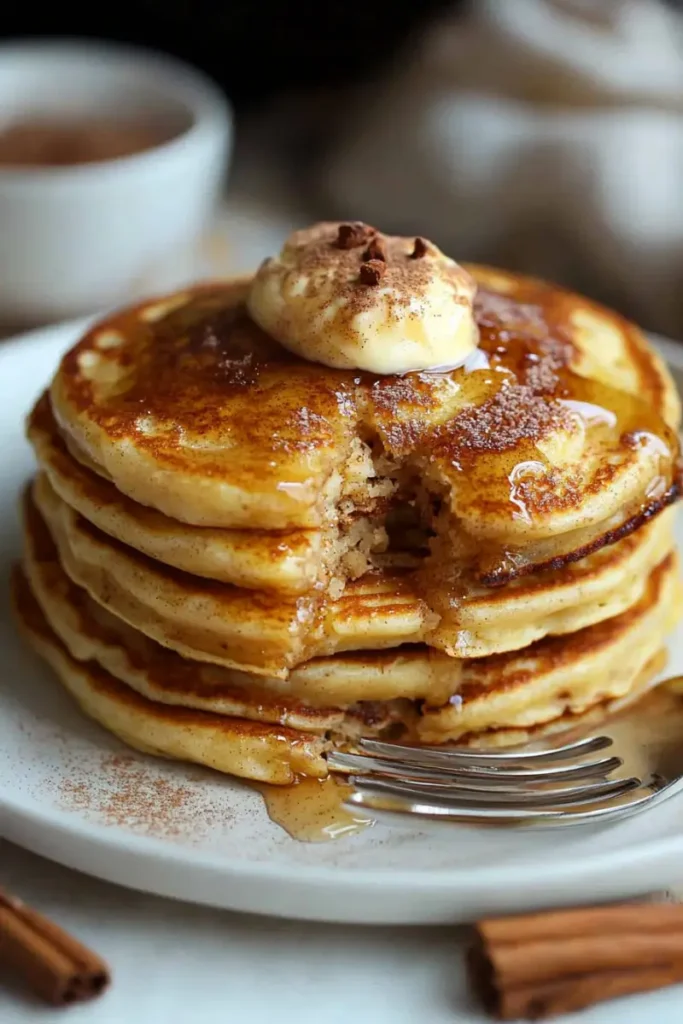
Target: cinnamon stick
[[53, 965], [536, 966]]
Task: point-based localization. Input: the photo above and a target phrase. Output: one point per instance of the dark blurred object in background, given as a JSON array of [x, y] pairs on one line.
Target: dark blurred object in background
[[255, 51]]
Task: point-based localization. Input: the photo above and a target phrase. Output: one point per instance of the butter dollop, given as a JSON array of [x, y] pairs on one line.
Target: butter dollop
[[347, 296]]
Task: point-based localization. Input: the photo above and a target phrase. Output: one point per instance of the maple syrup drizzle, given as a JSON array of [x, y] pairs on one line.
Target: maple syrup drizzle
[[517, 390], [522, 418], [313, 810]]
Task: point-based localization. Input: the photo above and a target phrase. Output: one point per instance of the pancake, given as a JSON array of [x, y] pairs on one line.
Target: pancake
[[506, 699], [268, 634], [209, 621], [324, 685], [497, 700], [555, 685], [293, 562], [556, 439], [600, 586], [568, 725], [235, 746]]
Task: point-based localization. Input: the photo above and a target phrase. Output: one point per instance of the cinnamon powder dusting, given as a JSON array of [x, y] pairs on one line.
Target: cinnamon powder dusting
[[133, 795]]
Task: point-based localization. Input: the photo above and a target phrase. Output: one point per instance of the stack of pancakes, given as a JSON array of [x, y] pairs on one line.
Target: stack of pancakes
[[238, 557]]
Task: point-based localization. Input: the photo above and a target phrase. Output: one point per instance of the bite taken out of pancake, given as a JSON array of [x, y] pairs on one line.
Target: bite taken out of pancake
[[557, 436], [267, 731]]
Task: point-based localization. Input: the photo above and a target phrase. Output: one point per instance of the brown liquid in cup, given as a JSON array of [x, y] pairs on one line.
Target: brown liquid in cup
[[43, 142]]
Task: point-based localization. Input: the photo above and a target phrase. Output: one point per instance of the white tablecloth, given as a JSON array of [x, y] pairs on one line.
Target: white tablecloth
[[178, 964]]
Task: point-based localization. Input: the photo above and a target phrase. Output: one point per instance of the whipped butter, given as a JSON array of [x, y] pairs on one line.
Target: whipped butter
[[347, 296]]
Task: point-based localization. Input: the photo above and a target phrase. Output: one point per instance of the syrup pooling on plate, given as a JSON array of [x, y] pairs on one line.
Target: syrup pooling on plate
[[313, 810]]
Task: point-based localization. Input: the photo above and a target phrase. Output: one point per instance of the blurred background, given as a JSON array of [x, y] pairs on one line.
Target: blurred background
[[541, 135]]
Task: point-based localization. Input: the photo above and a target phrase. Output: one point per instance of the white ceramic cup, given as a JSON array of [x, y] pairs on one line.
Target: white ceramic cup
[[75, 239]]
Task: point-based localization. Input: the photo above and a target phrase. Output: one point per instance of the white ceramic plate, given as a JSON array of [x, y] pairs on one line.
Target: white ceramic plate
[[71, 792]]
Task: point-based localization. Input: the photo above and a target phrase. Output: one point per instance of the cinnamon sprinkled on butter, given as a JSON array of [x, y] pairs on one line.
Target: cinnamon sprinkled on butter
[[319, 298]]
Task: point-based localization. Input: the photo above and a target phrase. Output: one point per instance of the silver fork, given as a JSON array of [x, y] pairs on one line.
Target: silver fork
[[635, 763]]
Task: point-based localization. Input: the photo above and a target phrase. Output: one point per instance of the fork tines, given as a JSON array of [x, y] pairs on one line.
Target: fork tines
[[561, 785]]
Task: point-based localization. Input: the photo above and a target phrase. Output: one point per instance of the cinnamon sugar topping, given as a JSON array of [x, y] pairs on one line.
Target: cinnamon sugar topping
[[513, 416]]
